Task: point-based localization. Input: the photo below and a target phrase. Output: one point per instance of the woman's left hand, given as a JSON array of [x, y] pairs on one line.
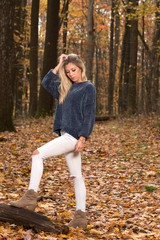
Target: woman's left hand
[[79, 146]]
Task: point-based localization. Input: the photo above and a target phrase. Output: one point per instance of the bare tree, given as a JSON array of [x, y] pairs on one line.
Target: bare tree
[[34, 58], [142, 89], [19, 24], [124, 70], [90, 40], [132, 104], [65, 22], [7, 58], [154, 62], [50, 54], [113, 54], [128, 68]]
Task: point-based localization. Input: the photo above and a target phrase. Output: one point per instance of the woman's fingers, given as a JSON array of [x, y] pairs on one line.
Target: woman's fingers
[[79, 146], [62, 57]]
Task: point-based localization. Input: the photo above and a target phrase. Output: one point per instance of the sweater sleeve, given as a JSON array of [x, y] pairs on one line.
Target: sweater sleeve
[[50, 84], [89, 107]]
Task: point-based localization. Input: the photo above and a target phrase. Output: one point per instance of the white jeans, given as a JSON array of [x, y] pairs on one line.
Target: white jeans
[[65, 144]]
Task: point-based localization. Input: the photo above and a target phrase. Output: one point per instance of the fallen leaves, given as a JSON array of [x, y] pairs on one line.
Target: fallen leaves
[[120, 164]]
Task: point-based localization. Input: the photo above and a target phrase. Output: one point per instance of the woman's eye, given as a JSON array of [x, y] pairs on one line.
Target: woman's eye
[[73, 70]]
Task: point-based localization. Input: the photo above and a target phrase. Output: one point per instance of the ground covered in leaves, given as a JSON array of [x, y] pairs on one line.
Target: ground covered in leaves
[[121, 167]]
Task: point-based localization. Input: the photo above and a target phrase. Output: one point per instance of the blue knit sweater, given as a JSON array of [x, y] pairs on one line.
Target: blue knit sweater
[[76, 115]]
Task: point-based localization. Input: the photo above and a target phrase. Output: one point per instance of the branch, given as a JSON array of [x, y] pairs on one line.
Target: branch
[[143, 41]]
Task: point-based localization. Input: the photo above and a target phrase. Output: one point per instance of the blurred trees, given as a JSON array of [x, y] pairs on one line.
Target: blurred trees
[[118, 40]]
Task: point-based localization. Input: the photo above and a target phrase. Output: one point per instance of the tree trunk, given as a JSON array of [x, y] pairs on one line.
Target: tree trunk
[[156, 61], [128, 69], [34, 58], [7, 58], [142, 92], [111, 62], [65, 24], [98, 84], [152, 79], [132, 105], [30, 219], [148, 89], [90, 41], [115, 55], [117, 34], [50, 55], [100, 81], [123, 73], [20, 16]]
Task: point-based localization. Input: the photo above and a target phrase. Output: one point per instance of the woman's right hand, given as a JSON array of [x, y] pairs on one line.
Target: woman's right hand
[[61, 59]]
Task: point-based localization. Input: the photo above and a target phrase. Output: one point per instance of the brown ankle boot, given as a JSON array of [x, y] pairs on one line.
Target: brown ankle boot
[[79, 220], [29, 200]]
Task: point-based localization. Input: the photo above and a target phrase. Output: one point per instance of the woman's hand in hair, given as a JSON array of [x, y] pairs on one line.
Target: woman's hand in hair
[[61, 59]]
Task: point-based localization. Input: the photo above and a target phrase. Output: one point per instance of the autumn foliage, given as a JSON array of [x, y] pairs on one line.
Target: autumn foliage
[[121, 169]]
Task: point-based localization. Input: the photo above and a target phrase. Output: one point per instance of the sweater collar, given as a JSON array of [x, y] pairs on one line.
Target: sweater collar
[[80, 83]]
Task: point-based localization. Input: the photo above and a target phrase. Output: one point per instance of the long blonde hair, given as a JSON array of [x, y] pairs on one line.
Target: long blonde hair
[[66, 83]]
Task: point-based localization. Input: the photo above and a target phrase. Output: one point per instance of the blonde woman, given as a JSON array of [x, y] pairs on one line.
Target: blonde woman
[[73, 122]]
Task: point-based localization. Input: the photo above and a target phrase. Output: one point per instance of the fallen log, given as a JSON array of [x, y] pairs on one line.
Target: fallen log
[[30, 219]]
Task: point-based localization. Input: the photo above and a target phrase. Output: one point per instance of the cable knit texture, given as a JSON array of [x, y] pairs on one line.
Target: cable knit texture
[[76, 115]]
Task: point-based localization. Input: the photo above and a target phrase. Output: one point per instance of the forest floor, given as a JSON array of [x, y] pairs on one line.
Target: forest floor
[[121, 167]]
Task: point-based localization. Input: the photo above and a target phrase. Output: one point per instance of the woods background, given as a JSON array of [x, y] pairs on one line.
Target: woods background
[[118, 40]]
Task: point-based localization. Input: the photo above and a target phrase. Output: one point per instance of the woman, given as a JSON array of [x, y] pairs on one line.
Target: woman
[[73, 122]]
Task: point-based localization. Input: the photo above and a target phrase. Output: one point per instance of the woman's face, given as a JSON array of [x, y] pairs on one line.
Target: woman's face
[[73, 72]]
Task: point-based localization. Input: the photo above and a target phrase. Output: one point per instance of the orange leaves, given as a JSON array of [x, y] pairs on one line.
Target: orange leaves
[[96, 232], [1, 177], [120, 160]]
